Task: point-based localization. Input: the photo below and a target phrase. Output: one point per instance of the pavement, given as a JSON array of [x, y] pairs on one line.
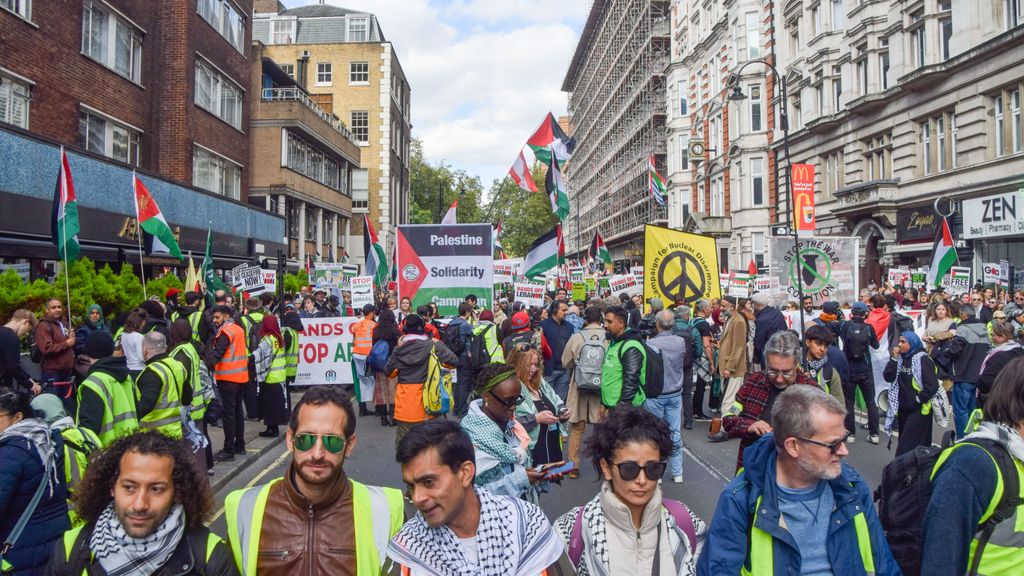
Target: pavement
[[707, 468]]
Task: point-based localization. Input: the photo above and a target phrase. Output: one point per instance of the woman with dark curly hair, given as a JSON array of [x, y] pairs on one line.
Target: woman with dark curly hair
[[144, 502], [628, 528]]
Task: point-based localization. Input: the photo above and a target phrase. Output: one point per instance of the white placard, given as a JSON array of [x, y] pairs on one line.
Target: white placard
[[249, 279], [530, 294], [362, 291], [505, 271], [990, 273], [270, 280], [627, 283]]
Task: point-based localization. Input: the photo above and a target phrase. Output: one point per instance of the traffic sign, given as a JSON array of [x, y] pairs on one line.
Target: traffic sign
[[782, 231]]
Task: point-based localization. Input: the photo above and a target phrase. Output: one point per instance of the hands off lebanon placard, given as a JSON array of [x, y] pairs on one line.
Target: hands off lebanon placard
[[530, 294]]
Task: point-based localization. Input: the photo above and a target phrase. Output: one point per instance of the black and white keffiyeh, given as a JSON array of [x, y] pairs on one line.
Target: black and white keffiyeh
[[120, 555], [514, 538]]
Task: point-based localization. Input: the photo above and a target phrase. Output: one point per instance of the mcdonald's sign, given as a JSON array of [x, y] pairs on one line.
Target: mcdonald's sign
[[803, 199]]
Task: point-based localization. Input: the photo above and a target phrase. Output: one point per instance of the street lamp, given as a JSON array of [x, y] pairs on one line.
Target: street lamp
[[737, 95]]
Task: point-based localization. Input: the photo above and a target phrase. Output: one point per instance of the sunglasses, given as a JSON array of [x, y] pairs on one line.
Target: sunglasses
[[630, 470], [832, 446], [306, 442], [511, 402]]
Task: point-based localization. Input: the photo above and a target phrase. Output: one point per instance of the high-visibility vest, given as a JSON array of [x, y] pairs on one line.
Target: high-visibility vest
[[377, 515], [71, 539], [166, 414], [117, 336], [490, 332], [79, 443], [193, 321], [234, 366], [926, 408], [198, 406], [291, 351], [277, 373], [248, 321], [119, 415], [362, 336], [762, 547]]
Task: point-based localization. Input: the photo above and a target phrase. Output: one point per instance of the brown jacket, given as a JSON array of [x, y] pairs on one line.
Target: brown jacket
[[58, 354], [732, 347], [302, 537]]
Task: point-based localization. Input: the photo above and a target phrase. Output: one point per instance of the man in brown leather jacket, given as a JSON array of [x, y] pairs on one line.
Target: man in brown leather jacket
[[308, 521]]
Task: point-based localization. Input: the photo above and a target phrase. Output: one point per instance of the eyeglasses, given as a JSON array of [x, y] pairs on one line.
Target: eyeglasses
[[975, 299], [332, 443], [773, 374], [630, 470], [832, 446], [511, 402]]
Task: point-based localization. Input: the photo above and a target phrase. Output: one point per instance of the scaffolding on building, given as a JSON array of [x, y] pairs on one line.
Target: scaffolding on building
[[617, 112]]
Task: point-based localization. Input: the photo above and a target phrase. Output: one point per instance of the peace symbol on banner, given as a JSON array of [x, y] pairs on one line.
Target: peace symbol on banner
[[681, 275]]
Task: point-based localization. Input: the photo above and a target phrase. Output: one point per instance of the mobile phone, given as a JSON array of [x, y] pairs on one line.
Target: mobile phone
[[548, 466], [563, 469]]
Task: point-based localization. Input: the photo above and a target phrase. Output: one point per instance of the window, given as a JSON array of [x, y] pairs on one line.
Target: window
[[833, 177], [1012, 10], [817, 26], [819, 92], [324, 73], [861, 65], [288, 69], [311, 162], [111, 40], [293, 219], [106, 136], [917, 38], [361, 126], [938, 142], [757, 181], [22, 8], [357, 29], [216, 173], [717, 197], [945, 28], [997, 105], [218, 95], [684, 148], [359, 73], [837, 87], [878, 157], [952, 139], [838, 14], [753, 36], [227, 20], [940, 138], [311, 223], [883, 64], [755, 108], [1015, 120], [360, 189], [683, 107], [283, 31], [14, 102], [926, 146], [757, 247]]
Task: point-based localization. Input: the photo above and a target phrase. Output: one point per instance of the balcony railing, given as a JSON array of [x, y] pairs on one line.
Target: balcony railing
[[296, 94]]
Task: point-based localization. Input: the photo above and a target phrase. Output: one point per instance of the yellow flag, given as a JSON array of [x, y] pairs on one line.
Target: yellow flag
[[679, 263], [191, 277]]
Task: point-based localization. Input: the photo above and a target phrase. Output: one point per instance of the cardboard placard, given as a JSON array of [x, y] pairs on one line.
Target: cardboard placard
[[530, 294], [362, 291]]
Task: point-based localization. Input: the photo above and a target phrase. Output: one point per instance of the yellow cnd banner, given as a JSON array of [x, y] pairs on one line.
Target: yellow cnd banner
[[679, 264]]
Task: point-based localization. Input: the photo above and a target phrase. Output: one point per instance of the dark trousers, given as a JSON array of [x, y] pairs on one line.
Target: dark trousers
[[698, 396], [865, 381], [688, 395], [915, 428], [462, 389], [272, 404], [231, 395], [250, 398]]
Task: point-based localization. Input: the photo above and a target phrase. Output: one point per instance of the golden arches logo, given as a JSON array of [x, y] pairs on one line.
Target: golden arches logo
[[803, 173]]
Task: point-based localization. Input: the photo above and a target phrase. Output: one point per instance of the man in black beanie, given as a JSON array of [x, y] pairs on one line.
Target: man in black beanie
[[106, 398]]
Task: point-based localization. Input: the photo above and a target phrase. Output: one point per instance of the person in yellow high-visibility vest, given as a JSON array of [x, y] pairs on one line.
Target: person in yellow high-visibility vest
[[106, 403], [271, 361], [163, 388], [284, 526]]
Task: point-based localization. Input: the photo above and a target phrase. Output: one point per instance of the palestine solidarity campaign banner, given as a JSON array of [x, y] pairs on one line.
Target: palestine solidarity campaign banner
[[444, 263]]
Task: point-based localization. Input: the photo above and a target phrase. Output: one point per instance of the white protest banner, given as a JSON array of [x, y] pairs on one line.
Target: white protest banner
[[325, 352], [960, 279], [1004, 273], [530, 294], [327, 276], [236, 275], [362, 291], [990, 273], [627, 283], [637, 271], [249, 279], [827, 268], [739, 285], [269, 280], [505, 271]]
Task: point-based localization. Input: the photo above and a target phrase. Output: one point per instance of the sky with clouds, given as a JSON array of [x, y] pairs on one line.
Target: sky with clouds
[[483, 72]]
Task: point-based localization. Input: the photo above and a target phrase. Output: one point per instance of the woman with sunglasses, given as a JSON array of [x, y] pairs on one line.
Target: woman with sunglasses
[[913, 384], [629, 528], [500, 443], [542, 413]]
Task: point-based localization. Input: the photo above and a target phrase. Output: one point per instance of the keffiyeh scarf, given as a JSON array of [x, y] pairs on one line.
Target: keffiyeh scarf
[[894, 387], [120, 555], [514, 538], [1004, 347], [37, 433]]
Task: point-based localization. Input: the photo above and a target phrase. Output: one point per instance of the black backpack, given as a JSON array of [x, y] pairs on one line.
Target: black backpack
[[452, 338], [479, 355], [654, 375], [906, 488], [857, 340]]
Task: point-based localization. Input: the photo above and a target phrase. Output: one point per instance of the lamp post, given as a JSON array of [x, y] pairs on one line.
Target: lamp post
[[441, 187], [738, 96]]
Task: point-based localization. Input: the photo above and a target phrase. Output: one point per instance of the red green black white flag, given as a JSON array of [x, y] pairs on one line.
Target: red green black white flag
[[159, 236], [656, 183], [64, 226], [943, 255], [550, 137]]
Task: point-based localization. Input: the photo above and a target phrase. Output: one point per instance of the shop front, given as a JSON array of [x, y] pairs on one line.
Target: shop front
[[995, 226]]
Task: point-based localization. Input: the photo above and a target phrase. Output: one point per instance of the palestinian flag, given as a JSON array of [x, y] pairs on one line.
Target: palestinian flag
[[159, 237], [64, 224], [943, 255], [656, 184], [598, 251], [520, 173], [545, 253], [376, 259], [550, 137], [451, 217], [499, 250], [555, 186], [208, 275]]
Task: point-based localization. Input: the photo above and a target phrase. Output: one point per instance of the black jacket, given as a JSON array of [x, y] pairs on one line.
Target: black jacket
[[632, 360], [767, 321], [995, 365], [970, 346], [189, 558], [90, 405]]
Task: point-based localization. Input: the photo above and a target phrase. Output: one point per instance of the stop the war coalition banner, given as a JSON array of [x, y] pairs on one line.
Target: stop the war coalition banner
[[826, 268], [444, 263]]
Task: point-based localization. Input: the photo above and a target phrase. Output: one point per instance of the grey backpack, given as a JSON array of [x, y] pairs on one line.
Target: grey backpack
[[587, 371]]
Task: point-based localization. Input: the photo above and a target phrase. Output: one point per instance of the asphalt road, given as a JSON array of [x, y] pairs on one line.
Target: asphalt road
[[707, 468]]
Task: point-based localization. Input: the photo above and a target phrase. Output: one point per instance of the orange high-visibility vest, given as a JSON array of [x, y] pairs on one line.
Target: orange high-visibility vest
[[362, 336], [234, 366]]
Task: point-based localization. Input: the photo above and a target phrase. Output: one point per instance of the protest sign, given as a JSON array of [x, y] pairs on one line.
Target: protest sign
[[269, 280], [990, 273], [445, 263], [362, 291], [624, 283], [679, 266], [899, 276], [529, 293], [505, 271], [248, 279], [739, 285], [325, 352], [328, 276], [825, 270], [960, 279], [579, 291], [576, 273]]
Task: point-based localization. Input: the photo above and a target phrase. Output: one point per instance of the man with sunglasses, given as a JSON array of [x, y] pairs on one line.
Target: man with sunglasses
[[315, 520], [812, 513], [748, 417]]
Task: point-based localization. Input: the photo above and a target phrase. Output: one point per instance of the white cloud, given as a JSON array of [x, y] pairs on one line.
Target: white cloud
[[483, 72]]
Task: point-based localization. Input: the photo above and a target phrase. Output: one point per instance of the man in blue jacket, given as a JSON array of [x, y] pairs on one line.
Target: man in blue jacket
[[797, 507], [767, 321]]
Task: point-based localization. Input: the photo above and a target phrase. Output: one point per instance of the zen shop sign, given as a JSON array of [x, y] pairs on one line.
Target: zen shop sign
[[993, 216]]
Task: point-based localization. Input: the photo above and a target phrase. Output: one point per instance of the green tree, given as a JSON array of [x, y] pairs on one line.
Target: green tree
[[428, 180]]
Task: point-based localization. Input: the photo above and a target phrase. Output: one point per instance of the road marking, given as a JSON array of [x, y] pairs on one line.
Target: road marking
[[706, 465], [253, 482]]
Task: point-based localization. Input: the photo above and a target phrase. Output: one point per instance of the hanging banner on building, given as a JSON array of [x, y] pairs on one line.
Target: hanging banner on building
[[445, 263], [325, 352], [826, 269], [679, 265], [505, 271], [327, 276], [624, 283], [530, 294], [362, 291], [803, 194]]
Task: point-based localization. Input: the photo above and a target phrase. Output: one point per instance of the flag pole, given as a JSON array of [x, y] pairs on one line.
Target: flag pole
[[63, 248], [138, 233]]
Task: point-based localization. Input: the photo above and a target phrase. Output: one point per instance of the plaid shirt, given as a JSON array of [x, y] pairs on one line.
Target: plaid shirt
[[749, 406]]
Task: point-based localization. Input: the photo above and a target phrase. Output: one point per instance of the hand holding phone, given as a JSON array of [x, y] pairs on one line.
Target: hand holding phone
[[556, 470]]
